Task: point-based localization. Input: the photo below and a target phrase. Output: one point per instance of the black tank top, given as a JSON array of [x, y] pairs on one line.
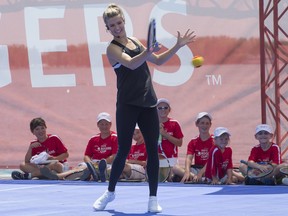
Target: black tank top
[[134, 86]]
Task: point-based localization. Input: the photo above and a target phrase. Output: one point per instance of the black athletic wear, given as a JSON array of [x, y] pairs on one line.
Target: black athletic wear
[[136, 103]]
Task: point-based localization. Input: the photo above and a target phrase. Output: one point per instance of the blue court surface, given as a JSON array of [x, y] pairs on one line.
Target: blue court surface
[[48, 197]]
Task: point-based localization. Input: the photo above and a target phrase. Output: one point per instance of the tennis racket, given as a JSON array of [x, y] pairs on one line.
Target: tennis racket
[[151, 39], [93, 171], [257, 173], [164, 163]]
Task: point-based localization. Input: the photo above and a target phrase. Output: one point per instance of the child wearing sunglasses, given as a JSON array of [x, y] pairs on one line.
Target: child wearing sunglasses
[[170, 133], [264, 152]]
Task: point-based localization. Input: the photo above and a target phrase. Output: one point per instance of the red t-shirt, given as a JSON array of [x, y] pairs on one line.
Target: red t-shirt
[[173, 128], [200, 149], [53, 145], [98, 148], [138, 152], [218, 162], [271, 155]]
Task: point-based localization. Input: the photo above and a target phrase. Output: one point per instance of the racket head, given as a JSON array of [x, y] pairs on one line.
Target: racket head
[[284, 170], [164, 168], [93, 171], [151, 37], [75, 176], [256, 173], [46, 172], [164, 173]]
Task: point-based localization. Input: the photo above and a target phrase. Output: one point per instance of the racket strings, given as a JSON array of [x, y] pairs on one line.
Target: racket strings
[[257, 173], [161, 149], [142, 173]]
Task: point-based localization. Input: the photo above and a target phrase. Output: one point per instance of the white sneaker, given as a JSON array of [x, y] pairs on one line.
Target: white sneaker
[[153, 205], [285, 181], [102, 201]]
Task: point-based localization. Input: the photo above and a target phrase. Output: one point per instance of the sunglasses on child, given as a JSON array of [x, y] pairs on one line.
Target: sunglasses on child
[[163, 108]]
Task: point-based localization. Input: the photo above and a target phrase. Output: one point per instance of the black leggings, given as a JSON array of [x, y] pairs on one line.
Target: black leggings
[[126, 118]]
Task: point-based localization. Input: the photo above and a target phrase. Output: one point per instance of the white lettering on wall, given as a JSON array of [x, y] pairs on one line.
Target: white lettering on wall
[[184, 73], [96, 48], [36, 46], [5, 73], [214, 79]]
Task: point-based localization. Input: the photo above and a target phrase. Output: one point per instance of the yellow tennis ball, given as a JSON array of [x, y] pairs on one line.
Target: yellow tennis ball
[[197, 61]]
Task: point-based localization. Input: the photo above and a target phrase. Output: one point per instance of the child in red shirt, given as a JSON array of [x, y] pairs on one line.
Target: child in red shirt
[[264, 152], [219, 167]]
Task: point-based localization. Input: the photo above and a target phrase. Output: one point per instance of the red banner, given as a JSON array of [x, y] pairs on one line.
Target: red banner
[[53, 65]]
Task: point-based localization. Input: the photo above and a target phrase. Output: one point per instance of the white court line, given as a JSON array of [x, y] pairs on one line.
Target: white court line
[[23, 188]]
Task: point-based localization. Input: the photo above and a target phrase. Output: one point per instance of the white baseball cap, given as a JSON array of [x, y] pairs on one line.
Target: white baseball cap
[[105, 116], [264, 127], [202, 114], [163, 100], [221, 130]]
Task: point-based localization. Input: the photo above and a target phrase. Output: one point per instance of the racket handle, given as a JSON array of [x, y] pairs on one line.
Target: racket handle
[[244, 162], [160, 139]]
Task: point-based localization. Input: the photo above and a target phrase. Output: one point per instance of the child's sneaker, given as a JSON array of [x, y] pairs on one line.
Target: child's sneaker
[[285, 181], [16, 175], [102, 201], [252, 181], [102, 166], [153, 205], [86, 175], [269, 181]]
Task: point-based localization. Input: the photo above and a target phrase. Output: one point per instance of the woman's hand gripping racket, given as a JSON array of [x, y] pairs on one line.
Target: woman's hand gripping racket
[[164, 164], [151, 39], [266, 169]]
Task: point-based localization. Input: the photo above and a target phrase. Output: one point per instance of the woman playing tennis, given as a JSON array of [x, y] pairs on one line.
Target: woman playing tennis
[[136, 100]]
